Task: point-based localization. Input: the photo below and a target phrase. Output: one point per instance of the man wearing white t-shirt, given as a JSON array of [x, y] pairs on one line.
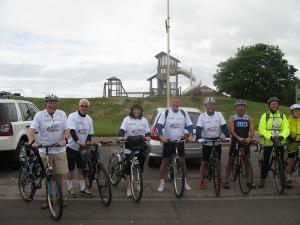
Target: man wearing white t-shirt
[[51, 125], [174, 125], [81, 129], [209, 126]]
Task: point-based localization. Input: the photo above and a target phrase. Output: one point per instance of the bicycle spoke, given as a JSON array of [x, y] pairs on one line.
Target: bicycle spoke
[[178, 178], [245, 176], [136, 183], [114, 169], [25, 184]]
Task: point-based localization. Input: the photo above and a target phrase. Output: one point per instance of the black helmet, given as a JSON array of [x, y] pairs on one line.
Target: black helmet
[[272, 99], [240, 102], [51, 97]]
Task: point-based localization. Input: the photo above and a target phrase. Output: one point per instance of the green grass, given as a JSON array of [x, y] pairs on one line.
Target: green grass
[[108, 113]]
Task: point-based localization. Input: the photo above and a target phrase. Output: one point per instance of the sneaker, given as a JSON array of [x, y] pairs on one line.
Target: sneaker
[[288, 184], [71, 193], [261, 183], [128, 192], [86, 192], [201, 184], [226, 185], [161, 187], [187, 186], [252, 185]]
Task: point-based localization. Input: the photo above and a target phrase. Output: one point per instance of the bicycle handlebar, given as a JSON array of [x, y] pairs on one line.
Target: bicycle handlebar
[[49, 146]]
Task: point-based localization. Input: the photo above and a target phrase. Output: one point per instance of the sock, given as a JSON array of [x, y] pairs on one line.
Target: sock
[[82, 184], [162, 181], [69, 184]]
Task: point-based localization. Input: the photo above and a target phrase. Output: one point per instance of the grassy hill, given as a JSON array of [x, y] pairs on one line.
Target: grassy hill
[[108, 113]]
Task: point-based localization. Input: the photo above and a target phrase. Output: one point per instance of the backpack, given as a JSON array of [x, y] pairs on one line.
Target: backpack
[[268, 116], [167, 113]]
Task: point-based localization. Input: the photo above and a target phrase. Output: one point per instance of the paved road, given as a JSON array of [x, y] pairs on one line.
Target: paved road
[[262, 206]]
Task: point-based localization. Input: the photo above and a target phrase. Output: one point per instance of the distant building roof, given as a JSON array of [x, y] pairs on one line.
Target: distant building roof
[[113, 78], [161, 54], [150, 78]]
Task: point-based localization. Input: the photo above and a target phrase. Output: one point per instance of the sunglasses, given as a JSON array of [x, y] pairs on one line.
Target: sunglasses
[[84, 106]]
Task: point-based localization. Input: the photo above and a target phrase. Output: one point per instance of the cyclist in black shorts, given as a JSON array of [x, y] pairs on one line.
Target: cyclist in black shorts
[[241, 127]]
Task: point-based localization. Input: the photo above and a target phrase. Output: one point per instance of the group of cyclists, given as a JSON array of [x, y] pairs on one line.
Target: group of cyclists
[[75, 132]]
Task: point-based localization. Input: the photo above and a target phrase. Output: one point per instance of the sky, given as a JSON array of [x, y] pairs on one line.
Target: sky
[[70, 47]]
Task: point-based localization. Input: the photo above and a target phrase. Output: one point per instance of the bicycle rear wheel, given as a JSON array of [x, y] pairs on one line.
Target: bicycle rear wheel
[[245, 176], [114, 169], [178, 177], [136, 183], [54, 197], [25, 184], [279, 175], [216, 177], [103, 185]]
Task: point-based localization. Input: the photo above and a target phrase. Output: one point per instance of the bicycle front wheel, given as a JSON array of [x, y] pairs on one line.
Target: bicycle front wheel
[[136, 183], [245, 176], [114, 169], [54, 197], [216, 177], [103, 185], [279, 175], [25, 184], [178, 177]]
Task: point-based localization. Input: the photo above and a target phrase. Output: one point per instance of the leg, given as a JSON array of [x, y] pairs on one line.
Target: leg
[[265, 165], [167, 152]]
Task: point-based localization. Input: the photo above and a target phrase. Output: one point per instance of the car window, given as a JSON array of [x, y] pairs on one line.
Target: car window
[[8, 112], [32, 110], [194, 118], [25, 112], [153, 118]]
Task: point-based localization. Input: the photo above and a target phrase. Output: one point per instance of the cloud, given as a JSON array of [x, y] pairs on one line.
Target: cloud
[[63, 46]]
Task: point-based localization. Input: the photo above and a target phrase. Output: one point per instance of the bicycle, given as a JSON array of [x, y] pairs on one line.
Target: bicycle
[[214, 164], [117, 165], [31, 171], [95, 170], [278, 168], [296, 166], [242, 167], [176, 171]]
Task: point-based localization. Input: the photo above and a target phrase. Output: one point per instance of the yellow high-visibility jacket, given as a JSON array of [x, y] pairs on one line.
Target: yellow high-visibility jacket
[[265, 127], [294, 130]]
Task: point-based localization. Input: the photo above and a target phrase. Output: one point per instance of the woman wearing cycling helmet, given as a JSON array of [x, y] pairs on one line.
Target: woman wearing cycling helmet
[[294, 122], [209, 126], [135, 130]]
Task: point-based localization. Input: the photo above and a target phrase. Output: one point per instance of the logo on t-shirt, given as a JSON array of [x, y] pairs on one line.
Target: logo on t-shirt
[[53, 128]]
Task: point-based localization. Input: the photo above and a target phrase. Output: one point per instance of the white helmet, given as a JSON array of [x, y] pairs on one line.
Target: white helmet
[[295, 106], [209, 100]]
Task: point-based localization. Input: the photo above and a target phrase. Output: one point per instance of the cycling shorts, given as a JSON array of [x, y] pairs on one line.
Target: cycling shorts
[[170, 148], [206, 151], [74, 158]]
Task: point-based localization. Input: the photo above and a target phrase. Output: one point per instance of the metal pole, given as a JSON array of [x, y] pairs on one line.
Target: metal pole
[[168, 57]]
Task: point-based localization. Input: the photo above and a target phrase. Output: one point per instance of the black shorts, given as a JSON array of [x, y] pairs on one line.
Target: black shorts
[[234, 148], [292, 154], [170, 148], [206, 151], [74, 157]]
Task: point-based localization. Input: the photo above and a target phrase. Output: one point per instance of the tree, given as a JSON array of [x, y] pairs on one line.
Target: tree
[[256, 73]]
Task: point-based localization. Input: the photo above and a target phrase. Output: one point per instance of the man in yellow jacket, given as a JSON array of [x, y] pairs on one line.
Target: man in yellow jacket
[[272, 125], [294, 122]]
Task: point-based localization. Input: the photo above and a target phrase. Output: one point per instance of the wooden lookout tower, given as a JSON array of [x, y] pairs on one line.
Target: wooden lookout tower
[[113, 88]]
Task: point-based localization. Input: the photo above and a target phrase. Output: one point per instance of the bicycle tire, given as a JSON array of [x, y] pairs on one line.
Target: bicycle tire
[[279, 175], [103, 184], [178, 177], [209, 170], [114, 169], [216, 177], [136, 183], [235, 168], [54, 197], [25, 185], [245, 176], [88, 176]]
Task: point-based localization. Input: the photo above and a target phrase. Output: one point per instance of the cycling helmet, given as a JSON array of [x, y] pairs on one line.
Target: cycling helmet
[[209, 100], [295, 106], [51, 97], [240, 102], [272, 99]]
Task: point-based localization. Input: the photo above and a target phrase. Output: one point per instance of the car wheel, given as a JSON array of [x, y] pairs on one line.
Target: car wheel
[[15, 155]]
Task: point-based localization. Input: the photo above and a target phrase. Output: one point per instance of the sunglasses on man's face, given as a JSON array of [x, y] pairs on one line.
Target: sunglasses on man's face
[[84, 106]]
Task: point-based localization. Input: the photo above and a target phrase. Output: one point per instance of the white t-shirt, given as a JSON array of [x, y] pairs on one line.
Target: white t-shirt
[[211, 125], [50, 129], [134, 127], [175, 123], [83, 127]]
